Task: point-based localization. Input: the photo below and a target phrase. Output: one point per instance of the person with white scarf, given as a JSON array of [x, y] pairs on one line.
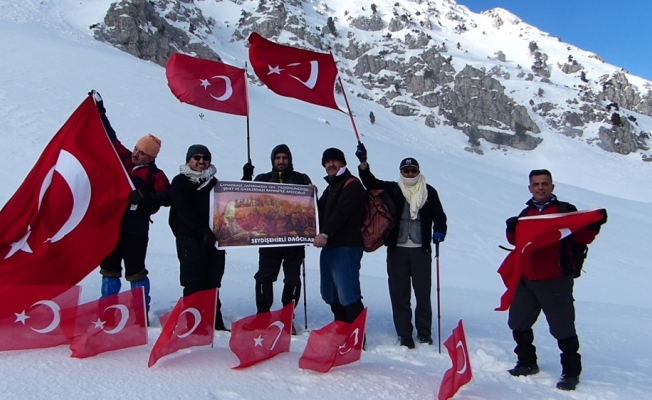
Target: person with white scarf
[[201, 264], [420, 219]]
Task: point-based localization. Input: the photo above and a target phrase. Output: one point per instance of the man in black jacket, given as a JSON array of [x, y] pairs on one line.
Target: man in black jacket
[[270, 259], [201, 263], [418, 213], [341, 212]]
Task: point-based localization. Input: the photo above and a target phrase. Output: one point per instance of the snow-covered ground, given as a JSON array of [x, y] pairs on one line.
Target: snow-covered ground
[[49, 62]]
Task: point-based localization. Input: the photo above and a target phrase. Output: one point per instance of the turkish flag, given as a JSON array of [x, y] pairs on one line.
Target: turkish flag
[[65, 217], [536, 232], [262, 336], [35, 317], [110, 323], [208, 84], [460, 374], [337, 343], [291, 72], [190, 323]]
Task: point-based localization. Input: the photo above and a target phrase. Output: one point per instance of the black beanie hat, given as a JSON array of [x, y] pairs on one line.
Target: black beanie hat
[[409, 162], [282, 148], [198, 149], [332, 154]]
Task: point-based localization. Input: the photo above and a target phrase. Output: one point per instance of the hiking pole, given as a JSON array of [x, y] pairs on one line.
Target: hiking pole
[[438, 299], [305, 302]]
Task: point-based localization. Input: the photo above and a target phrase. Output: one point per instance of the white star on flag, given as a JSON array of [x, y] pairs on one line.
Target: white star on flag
[[205, 83], [274, 70], [259, 341], [98, 324], [21, 317], [20, 245]]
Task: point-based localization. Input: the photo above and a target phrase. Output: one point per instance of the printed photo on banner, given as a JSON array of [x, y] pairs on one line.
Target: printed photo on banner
[[261, 214]]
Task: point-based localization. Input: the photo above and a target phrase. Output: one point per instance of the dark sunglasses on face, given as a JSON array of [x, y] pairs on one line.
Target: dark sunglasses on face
[[410, 171], [197, 157], [139, 152]]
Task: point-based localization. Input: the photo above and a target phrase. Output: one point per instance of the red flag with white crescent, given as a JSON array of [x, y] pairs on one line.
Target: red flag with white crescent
[[260, 337], [208, 84], [65, 217], [537, 232], [460, 373], [190, 323], [35, 317], [291, 72], [110, 323], [338, 343]]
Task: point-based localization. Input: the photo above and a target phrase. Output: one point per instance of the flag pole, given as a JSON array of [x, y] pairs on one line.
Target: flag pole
[[355, 130], [248, 140], [305, 301], [438, 299]]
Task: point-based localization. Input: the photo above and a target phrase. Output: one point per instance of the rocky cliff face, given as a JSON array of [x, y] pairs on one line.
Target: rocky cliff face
[[419, 58]]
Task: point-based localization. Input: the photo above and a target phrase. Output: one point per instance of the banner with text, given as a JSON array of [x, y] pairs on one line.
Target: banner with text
[[262, 214]]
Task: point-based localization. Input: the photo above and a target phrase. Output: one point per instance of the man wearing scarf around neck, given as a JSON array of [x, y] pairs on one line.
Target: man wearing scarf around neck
[[270, 259], [545, 287], [420, 219], [341, 211], [201, 263]]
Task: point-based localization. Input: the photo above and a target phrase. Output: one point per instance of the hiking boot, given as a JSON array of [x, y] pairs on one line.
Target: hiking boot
[[568, 382], [523, 370], [425, 339], [407, 341]]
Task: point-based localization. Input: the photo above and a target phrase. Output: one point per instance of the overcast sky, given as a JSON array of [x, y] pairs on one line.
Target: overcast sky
[[618, 31]]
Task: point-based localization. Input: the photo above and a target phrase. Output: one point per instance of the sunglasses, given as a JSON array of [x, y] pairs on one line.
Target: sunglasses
[[139, 152], [410, 171], [198, 157]]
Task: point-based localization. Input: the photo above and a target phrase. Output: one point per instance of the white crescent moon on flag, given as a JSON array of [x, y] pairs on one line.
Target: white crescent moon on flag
[[459, 344], [197, 316], [75, 176], [355, 342], [56, 319], [229, 89], [124, 316], [314, 73], [280, 325]]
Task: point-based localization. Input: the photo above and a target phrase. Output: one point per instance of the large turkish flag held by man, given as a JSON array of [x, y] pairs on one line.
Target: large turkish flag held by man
[[65, 217], [208, 84], [291, 72]]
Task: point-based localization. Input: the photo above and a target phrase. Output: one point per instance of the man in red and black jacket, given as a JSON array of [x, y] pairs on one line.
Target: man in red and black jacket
[[152, 191], [547, 285]]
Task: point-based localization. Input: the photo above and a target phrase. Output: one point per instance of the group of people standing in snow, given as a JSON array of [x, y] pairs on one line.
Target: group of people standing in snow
[[420, 222]]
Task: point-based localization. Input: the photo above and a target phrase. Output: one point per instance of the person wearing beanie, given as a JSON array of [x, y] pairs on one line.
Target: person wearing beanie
[[152, 191], [341, 211], [420, 219], [201, 264], [270, 259]]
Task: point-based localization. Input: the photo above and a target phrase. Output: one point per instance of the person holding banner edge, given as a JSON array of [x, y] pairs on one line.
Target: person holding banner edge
[[420, 218], [201, 264], [270, 259]]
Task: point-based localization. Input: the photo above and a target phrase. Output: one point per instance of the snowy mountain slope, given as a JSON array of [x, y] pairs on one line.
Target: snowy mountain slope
[[50, 61]]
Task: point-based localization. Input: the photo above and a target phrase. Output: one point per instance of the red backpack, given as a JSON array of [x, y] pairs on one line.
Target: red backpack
[[378, 218]]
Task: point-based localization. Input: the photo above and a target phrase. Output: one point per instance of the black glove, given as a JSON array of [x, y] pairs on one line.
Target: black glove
[[247, 172], [511, 224], [596, 225], [98, 101], [208, 238], [140, 196], [361, 153]]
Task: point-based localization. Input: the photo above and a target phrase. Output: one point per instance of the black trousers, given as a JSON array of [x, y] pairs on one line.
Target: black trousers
[[270, 260], [552, 296], [132, 249], [407, 269], [201, 267]]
